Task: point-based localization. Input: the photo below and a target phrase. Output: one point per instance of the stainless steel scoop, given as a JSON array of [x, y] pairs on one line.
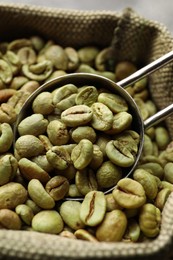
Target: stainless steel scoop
[[80, 79]]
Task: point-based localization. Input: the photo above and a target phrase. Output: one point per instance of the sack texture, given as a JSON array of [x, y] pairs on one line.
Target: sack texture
[[133, 38]]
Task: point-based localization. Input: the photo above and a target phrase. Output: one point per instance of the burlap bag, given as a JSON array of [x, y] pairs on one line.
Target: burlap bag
[[133, 38]]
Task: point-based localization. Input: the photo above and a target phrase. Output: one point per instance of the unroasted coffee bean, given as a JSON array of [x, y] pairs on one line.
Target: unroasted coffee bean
[[88, 54], [112, 227], [111, 203], [11, 195], [64, 97], [8, 168], [83, 132], [58, 157], [108, 175], [84, 235], [28, 146], [123, 69], [77, 115], [162, 137], [168, 172], [70, 213], [39, 71], [57, 187], [58, 57], [7, 114], [35, 125], [148, 181], [114, 102], [132, 233], [30, 170], [39, 195], [82, 153], [43, 103], [42, 161], [149, 220], [119, 154], [57, 132], [93, 208], [9, 220], [6, 137], [103, 57], [73, 58], [5, 71], [87, 96], [25, 213], [121, 122], [48, 221], [102, 117], [97, 158], [34, 207], [162, 197], [129, 194], [85, 181]]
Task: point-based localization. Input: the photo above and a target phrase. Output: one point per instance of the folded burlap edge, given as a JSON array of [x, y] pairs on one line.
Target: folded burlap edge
[[33, 245]]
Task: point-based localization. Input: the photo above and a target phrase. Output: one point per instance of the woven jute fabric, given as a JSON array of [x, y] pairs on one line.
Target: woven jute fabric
[[133, 38]]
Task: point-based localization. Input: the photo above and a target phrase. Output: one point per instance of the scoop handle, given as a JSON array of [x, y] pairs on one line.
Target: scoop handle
[[158, 117], [146, 70]]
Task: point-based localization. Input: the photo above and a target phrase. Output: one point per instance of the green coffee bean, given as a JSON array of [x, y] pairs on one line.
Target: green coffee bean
[[29, 146], [114, 102], [87, 96], [25, 213], [9, 220], [83, 132], [132, 233], [161, 198], [112, 227], [82, 154], [85, 181], [58, 157], [6, 137], [93, 208], [108, 175], [11, 195], [77, 115], [8, 168], [162, 137], [39, 195], [102, 117], [84, 235], [47, 221], [57, 132], [64, 97], [148, 181], [149, 220], [119, 155], [42, 104], [30, 170], [70, 213], [57, 187], [129, 194]]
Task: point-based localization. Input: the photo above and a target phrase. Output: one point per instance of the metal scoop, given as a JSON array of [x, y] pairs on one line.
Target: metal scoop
[[80, 79]]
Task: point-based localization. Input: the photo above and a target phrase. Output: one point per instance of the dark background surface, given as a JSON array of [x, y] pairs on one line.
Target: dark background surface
[[158, 10]]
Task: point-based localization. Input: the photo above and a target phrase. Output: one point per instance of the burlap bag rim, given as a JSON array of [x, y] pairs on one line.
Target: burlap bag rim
[[32, 245]]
